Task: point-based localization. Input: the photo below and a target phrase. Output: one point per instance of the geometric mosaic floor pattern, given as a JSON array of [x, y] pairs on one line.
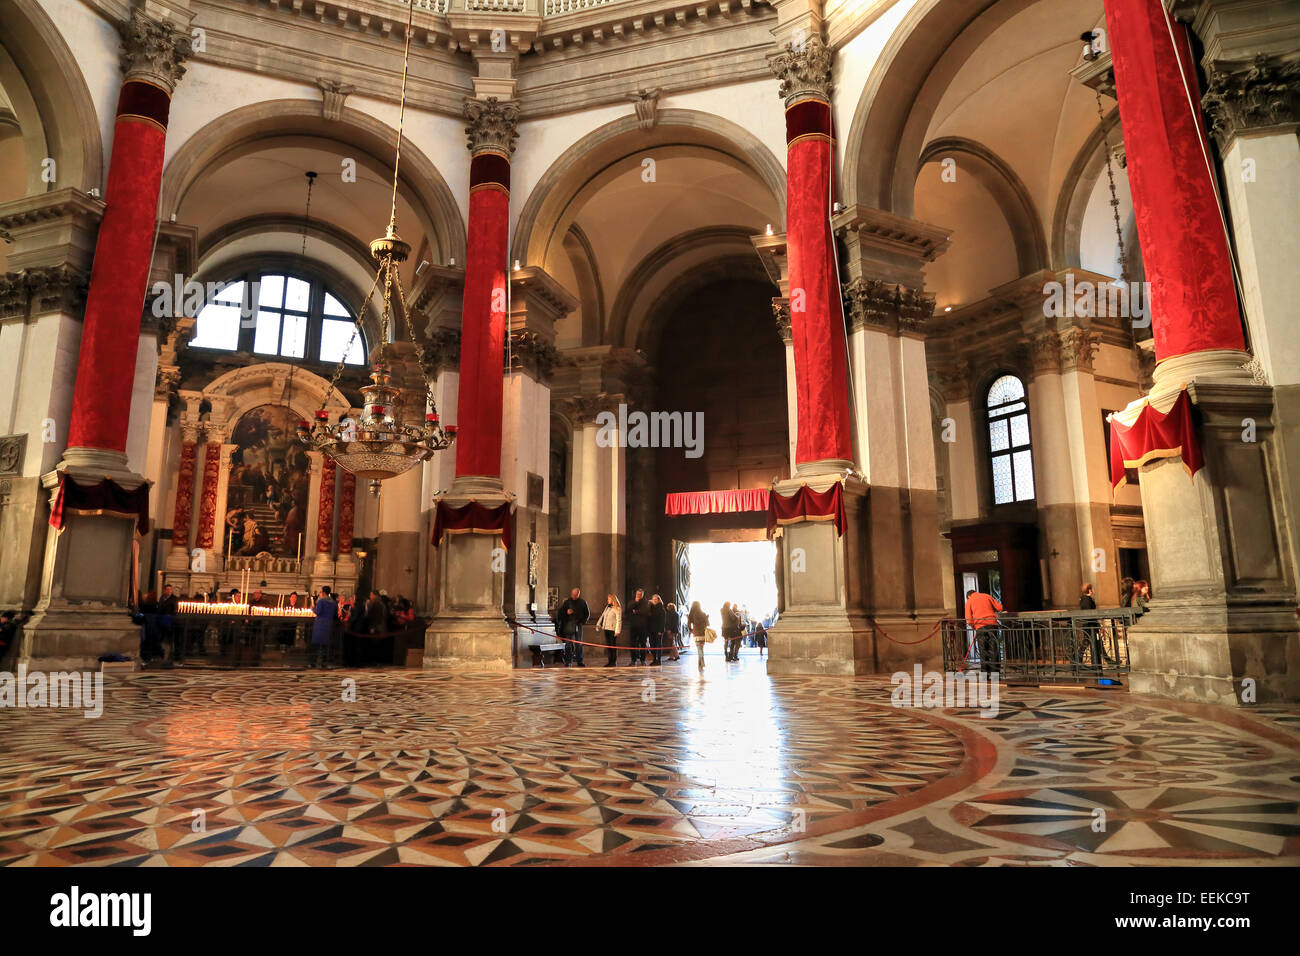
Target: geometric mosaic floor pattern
[[636, 766]]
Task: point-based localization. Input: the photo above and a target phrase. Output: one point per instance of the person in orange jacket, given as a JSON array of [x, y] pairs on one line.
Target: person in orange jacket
[[982, 615]]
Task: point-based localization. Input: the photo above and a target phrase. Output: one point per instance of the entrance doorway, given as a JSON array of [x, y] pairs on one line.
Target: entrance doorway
[[742, 572]]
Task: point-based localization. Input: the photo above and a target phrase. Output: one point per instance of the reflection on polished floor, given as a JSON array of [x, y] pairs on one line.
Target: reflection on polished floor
[[636, 766]]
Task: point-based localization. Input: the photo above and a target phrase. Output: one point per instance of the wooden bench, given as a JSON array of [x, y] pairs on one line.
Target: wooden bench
[[541, 650]]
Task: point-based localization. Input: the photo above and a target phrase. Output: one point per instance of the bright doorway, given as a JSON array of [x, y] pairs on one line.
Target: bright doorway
[[742, 572]]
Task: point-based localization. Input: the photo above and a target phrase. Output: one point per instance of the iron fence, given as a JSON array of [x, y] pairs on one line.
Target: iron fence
[[1043, 646]]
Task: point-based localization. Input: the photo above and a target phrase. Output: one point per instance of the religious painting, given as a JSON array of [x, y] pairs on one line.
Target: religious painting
[[270, 481]]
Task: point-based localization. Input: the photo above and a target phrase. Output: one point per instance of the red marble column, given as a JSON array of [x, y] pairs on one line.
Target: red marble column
[[1193, 298], [816, 316], [101, 403], [483, 316], [185, 495], [347, 509], [208, 499], [325, 514]]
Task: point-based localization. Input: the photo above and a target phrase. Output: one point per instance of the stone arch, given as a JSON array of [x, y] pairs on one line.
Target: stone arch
[[1007, 190], [67, 111], [889, 124], [235, 393], [1076, 189], [660, 274], [242, 129], [616, 140]]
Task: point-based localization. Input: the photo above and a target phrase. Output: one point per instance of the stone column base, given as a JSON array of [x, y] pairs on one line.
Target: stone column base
[[824, 644], [1207, 654], [468, 630], [83, 611], [904, 639]]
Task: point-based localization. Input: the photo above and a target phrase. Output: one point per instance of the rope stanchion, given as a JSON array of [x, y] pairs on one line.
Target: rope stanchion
[[887, 637]]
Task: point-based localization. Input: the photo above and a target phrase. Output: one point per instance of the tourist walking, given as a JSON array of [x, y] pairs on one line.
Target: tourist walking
[[322, 630], [573, 614], [611, 625], [698, 622], [638, 617], [760, 638]]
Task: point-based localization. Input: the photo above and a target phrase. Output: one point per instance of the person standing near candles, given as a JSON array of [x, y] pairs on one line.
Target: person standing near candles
[[322, 631]]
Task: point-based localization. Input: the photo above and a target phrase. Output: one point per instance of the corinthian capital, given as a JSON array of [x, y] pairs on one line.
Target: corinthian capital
[[804, 69], [152, 50], [492, 125], [1258, 95]]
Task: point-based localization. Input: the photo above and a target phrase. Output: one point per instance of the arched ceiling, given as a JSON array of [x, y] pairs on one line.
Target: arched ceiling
[[268, 181]]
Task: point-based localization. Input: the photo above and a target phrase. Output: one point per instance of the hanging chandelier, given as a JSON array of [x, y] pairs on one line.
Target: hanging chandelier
[[380, 445]]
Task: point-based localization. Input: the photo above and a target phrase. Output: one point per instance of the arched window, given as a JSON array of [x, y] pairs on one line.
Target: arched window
[[280, 315], [1010, 455]]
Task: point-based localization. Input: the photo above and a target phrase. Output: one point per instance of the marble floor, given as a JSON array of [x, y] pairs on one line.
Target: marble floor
[[637, 766]]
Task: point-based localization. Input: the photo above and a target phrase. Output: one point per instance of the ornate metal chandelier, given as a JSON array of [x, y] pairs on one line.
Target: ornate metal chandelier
[[379, 444]]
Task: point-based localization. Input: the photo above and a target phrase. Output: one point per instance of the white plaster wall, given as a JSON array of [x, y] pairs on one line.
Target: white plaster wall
[[853, 65], [49, 371], [526, 436], [95, 43]]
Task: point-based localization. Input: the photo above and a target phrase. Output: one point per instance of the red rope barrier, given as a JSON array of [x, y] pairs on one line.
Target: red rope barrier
[[906, 643]]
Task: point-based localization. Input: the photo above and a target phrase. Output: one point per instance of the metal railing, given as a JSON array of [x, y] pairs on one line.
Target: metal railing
[[1043, 646]]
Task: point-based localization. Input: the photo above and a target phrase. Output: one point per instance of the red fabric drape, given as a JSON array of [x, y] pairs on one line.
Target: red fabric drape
[[181, 514], [473, 518], [1193, 301], [483, 319], [347, 509], [107, 498], [807, 505], [325, 511], [816, 320], [716, 502], [101, 402], [208, 495], [1153, 436]]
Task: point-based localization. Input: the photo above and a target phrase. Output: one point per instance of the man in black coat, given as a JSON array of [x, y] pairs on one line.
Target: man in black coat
[[570, 616], [638, 617], [658, 625]]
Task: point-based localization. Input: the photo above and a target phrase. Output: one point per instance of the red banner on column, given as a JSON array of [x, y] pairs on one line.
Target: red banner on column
[[1153, 435], [807, 505], [1180, 227], [347, 507], [325, 513], [816, 319]]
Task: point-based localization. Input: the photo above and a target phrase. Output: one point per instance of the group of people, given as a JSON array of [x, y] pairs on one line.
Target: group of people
[[655, 629], [378, 618]]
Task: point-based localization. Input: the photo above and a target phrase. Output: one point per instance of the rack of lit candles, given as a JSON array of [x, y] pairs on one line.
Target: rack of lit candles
[[217, 608]]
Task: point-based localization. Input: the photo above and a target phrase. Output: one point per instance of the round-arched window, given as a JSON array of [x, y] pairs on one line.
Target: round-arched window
[[1011, 456], [282, 316]]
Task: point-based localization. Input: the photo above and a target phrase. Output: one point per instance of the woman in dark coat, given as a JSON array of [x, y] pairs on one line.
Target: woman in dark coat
[[731, 632], [658, 625], [322, 631]]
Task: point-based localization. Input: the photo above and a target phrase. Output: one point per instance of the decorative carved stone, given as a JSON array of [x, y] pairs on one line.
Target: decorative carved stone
[[582, 409], [533, 354], [647, 107], [492, 125], [47, 289], [166, 383], [153, 50], [334, 95], [1146, 369], [1264, 94], [1078, 349], [886, 305], [1258, 375], [441, 352], [191, 430], [13, 296], [805, 71], [954, 381], [781, 312], [1045, 353], [12, 450]]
